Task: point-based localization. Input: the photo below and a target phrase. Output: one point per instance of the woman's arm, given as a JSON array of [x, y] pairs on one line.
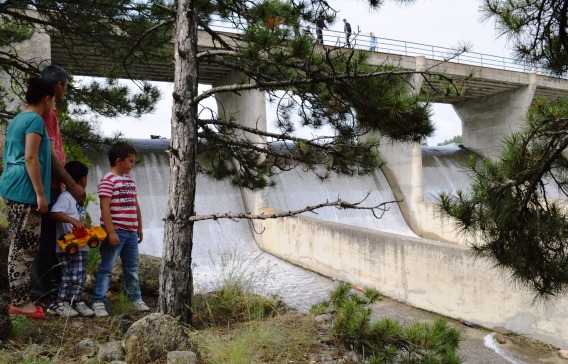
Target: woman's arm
[[32, 167]]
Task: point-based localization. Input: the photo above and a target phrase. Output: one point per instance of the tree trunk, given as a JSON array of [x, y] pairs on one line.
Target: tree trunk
[[176, 278]]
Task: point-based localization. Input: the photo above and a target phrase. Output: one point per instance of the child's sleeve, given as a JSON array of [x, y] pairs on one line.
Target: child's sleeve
[[63, 205], [105, 188]]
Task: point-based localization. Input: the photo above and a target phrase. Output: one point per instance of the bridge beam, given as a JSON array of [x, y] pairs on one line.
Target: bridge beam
[[487, 120], [248, 108]]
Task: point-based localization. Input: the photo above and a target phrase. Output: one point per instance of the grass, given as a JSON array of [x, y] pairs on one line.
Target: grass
[[277, 340]]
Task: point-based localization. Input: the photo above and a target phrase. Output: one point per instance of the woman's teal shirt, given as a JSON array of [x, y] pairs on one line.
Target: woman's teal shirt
[[15, 183]]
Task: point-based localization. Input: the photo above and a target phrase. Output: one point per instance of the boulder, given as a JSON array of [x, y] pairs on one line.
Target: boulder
[[85, 348], [151, 338]]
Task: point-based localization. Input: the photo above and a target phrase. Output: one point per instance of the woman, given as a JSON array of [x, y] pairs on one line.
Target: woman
[[24, 185]]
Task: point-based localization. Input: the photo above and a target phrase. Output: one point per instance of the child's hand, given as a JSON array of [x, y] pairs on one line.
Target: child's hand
[[79, 225], [113, 239], [140, 235]]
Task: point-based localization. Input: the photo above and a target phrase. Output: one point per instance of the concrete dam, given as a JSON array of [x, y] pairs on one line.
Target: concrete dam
[[386, 254]]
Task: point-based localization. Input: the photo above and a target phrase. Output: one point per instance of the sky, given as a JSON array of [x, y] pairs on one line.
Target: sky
[[443, 23]]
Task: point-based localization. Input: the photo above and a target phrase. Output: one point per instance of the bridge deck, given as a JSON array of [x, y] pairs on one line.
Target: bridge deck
[[477, 81]]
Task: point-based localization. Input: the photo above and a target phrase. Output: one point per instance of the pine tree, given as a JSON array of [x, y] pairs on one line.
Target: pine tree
[[513, 209]]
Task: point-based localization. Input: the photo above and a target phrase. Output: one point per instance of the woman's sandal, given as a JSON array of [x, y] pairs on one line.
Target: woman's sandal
[[37, 314]]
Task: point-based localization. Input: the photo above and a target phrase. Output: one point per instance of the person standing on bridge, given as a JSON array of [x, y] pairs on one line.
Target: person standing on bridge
[[373, 46], [347, 30], [320, 24], [45, 275]]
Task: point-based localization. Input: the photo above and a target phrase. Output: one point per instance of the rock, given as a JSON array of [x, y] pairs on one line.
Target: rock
[[501, 339], [118, 362], [351, 356], [324, 318], [318, 358], [5, 322], [152, 337], [181, 357], [85, 347], [110, 351], [563, 354]]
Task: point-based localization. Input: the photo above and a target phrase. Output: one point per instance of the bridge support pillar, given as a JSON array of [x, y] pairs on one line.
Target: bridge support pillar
[[487, 120], [248, 108], [404, 163]]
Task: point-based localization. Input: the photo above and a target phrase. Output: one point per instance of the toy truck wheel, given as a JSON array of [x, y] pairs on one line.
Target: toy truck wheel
[[93, 242], [72, 248]]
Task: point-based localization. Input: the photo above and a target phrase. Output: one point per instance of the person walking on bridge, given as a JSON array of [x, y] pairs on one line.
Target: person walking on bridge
[[347, 30], [320, 24], [373, 46]]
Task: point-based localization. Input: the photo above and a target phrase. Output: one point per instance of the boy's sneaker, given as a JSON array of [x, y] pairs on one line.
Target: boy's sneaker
[[100, 309], [83, 309], [62, 309], [140, 306]]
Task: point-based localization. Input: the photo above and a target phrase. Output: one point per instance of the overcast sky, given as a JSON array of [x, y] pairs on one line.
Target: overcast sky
[[443, 23]]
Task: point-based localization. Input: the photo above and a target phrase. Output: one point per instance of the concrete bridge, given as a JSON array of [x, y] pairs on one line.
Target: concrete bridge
[[439, 276]]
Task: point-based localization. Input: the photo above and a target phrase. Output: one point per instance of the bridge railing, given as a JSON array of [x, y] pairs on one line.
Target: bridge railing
[[399, 47]]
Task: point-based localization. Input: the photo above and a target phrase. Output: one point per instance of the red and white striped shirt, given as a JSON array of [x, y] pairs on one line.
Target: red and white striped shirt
[[122, 193]]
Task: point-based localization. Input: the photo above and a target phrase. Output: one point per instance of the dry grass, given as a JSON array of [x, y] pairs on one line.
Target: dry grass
[[279, 339]]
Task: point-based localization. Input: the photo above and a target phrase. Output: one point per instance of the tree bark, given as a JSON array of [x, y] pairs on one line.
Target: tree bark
[[176, 278]]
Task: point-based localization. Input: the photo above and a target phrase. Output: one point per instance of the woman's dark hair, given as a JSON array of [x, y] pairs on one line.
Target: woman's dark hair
[[38, 89]]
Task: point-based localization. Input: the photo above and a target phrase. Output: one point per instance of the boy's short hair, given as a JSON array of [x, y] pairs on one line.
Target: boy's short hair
[[120, 150], [76, 170]]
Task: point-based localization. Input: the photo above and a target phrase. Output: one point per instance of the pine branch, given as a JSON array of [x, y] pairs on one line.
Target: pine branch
[[302, 81], [377, 210]]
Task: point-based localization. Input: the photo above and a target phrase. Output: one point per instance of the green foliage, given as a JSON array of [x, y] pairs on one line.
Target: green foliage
[[109, 30], [508, 212], [387, 341], [21, 328], [455, 139], [537, 30]]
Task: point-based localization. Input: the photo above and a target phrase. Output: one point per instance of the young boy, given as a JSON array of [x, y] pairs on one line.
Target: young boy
[[121, 217], [67, 214]]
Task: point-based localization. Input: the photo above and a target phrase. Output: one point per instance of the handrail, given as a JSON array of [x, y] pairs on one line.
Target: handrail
[[401, 47]]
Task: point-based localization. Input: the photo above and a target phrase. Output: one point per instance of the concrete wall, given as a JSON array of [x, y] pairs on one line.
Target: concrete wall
[[434, 276]]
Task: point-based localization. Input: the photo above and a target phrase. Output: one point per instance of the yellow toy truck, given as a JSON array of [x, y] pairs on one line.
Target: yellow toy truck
[[71, 242]]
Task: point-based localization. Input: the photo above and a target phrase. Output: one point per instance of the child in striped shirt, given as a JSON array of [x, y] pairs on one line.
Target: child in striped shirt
[[121, 217]]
